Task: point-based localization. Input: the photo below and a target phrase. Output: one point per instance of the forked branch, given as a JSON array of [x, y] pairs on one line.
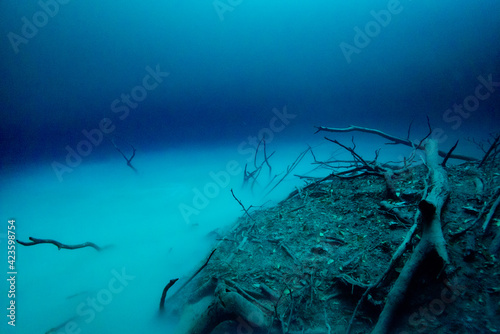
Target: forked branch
[[129, 160], [393, 139]]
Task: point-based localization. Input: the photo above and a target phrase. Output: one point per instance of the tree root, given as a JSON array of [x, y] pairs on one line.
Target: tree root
[[230, 306], [493, 208], [432, 237], [190, 278], [395, 258]]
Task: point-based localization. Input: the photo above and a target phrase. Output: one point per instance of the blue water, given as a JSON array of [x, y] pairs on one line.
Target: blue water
[[193, 86]]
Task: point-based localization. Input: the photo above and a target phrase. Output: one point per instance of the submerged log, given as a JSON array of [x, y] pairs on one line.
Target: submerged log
[[229, 306]]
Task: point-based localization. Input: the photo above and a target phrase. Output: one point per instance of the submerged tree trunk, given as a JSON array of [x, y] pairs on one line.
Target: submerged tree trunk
[[432, 237]]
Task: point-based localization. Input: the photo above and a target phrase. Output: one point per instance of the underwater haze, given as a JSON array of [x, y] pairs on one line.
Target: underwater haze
[[127, 124]]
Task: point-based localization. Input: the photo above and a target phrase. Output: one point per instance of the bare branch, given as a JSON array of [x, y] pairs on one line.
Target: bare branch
[[492, 147], [244, 209], [192, 276], [129, 161], [35, 241], [395, 140], [164, 294], [448, 154], [290, 168]]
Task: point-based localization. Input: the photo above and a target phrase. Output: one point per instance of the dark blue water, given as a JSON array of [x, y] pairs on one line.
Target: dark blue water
[[193, 86]]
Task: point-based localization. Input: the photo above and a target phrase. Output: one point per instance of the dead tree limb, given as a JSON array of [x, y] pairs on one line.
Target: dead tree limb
[[229, 305], [247, 175], [372, 168], [290, 168], [58, 327], [194, 275], [432, 237], [492, 147], [449, 154], [393, 139], [495, 244], [35, 241], [164, 293], [266, 157], [395, 257], [356, 156], [394, 260], [241, 204], [250, 175], [493, 208], [129, 160]]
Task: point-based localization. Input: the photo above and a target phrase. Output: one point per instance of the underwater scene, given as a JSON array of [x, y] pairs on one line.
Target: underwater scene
[[237, 167]]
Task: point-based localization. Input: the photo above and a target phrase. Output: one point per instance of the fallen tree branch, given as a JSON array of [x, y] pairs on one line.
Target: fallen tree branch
[[350, 150], [394, 260], [395, 140], [226, 306], [495, 244], [164, 293], [290, 168], [493, 208], [492, 147], [258, 168], [266, 158], [449, 154], [129, 160], [372, 168], [194, 275], [58, 327], [432, 237], [35, 241], [241, 204]]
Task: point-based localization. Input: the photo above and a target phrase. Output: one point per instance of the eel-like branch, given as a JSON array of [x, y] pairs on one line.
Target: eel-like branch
[[164, 293], [59, 245]]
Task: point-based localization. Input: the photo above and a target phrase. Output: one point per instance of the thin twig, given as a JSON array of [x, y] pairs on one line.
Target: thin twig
[[129, 160], [290, 168], [493, 208], [492, 147], [244, 209], [448, 154]]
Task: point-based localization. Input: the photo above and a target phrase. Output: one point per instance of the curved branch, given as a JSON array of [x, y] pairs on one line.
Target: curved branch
[[393, 139], [164, 294], [35, 241]]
